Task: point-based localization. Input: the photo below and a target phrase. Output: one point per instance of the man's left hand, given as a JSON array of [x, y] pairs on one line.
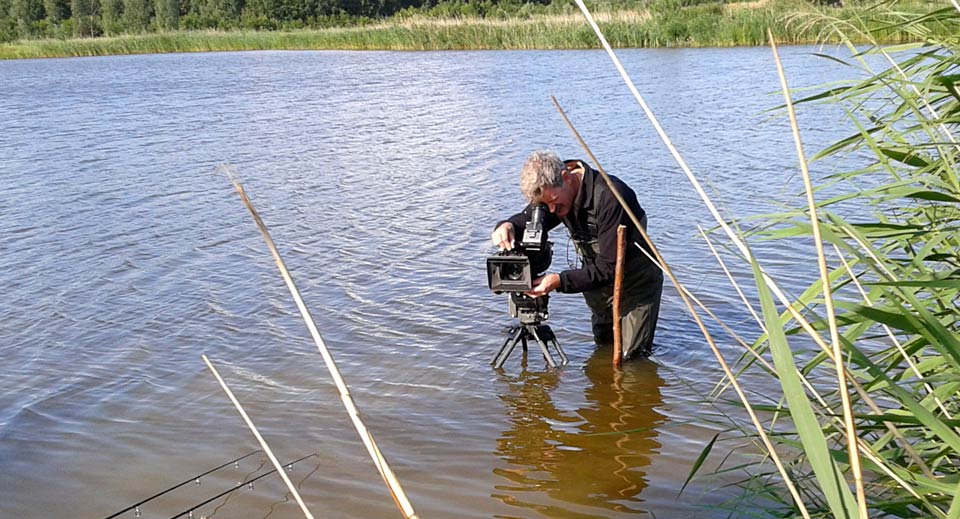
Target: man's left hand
[[544, 285]]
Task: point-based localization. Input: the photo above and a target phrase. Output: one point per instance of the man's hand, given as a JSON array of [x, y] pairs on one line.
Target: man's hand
[[544, 285], [502, 237]]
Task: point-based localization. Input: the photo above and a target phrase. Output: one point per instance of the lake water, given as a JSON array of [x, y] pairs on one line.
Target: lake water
[[127, 255]]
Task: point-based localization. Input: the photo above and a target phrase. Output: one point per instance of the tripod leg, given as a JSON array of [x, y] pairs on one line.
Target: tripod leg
[[543, 346], [546, 333], [508, 345], [563, 356], [503, 347]]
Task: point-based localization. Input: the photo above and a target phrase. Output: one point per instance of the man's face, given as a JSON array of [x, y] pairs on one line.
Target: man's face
[[559, 200]]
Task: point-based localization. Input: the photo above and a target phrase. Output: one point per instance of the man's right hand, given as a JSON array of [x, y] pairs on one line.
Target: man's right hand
[[503, 236]]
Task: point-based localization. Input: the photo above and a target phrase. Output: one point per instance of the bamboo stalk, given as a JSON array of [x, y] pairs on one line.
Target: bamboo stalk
[[263, 443], [696, 317], [842, 387], [393, 484], [617, 286]]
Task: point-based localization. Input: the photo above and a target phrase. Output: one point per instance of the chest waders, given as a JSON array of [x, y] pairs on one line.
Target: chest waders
[[639, 298]]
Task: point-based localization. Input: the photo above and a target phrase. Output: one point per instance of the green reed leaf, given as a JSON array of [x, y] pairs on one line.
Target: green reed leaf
[[699, 462], [829, 477]]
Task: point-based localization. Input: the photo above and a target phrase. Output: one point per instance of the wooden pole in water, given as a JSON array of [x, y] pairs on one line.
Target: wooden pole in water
[[263, 443], [617, 285], [687, 302]]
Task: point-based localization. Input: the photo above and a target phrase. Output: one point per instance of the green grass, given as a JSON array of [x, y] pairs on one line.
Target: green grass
[[698, 26]]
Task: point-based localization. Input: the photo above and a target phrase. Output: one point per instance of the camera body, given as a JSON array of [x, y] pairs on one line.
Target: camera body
[[514, 270]]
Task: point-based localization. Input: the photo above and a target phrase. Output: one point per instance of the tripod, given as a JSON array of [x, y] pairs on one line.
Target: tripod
[[532, 311], [541, 333]]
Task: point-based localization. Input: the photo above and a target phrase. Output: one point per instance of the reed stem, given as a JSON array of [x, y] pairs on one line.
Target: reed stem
[[393, 484], [842, 388]]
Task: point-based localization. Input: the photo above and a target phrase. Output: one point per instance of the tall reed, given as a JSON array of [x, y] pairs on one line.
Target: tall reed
[[892, 273]]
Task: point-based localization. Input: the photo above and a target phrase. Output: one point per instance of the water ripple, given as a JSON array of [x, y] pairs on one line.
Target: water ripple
[[380, 175]]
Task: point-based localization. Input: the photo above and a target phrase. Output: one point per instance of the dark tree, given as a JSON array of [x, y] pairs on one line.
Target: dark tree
[[57, 10], [136, 15], [26, 12], [220, 9], [85, 17], [167, 13], [111, 12]]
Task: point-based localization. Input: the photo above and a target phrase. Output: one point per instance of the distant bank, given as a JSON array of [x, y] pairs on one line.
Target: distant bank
[[701, 25]]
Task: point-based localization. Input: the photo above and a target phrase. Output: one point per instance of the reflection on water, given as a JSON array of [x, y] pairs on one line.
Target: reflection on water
[[591, 458]]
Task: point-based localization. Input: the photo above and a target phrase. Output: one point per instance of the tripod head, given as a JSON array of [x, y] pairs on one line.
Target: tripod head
[[530, 310]]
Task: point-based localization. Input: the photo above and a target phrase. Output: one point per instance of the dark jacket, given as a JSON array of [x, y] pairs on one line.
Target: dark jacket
[[592, 222]]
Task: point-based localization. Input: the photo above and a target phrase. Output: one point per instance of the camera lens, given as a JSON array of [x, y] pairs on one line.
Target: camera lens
[[512, 272]]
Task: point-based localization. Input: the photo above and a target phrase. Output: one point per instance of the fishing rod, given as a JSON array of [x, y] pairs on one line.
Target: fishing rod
[[136, 506], [263, 443], [240, 485]]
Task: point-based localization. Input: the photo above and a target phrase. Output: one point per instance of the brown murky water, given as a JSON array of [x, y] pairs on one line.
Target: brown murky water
[[126, 256]]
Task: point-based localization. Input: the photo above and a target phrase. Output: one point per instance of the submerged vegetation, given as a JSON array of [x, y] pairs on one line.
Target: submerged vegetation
[[868, 356], [57, 28]]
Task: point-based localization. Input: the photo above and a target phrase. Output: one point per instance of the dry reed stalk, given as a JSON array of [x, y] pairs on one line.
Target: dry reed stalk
[[393, 485], [893, 338], [830, 352], [711, 207], [842, 388], [263, 443], [696, 317], [736, 286], [617, 286]]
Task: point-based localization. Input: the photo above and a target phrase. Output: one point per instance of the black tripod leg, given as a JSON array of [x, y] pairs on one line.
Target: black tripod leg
[[563, 356], [503, 347], [508, 345], [546, 333], [543, 347]]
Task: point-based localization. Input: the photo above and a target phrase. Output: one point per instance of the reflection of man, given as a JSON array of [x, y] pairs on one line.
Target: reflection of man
[[578, 197], [586, 463]]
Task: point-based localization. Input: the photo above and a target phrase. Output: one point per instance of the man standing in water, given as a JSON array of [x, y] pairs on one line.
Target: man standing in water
[[577, 196]]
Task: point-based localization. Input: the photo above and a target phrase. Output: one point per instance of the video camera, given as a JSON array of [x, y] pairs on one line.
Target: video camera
[[514, 270]]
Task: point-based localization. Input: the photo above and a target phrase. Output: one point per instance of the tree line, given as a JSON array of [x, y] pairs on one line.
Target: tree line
[[30, 19]]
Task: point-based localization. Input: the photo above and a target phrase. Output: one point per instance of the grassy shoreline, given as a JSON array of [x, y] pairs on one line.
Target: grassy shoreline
[[716, 25]]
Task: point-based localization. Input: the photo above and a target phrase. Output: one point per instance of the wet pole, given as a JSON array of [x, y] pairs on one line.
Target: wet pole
[[617, 288]]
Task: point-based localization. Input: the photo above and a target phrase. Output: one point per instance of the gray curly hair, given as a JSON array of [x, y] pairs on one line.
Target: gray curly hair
[[542, 169]]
